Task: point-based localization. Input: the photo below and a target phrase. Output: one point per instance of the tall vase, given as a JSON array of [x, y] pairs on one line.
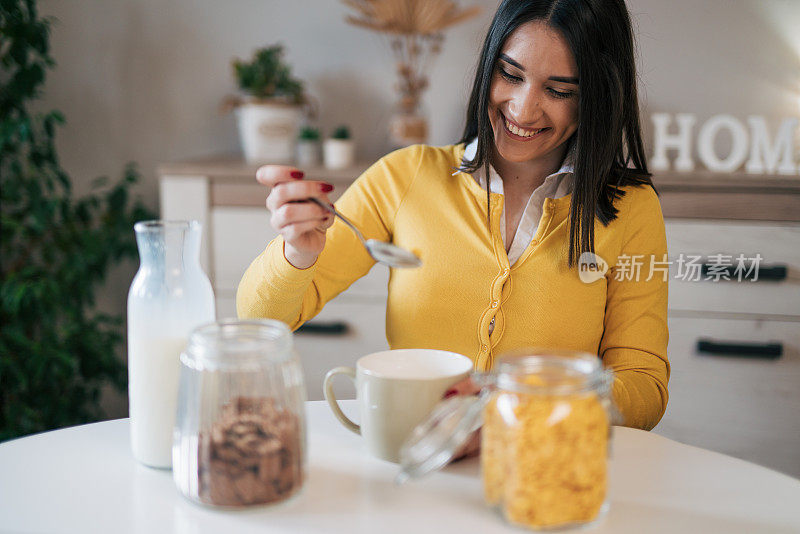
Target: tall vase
[[408, 124], [170, 295]]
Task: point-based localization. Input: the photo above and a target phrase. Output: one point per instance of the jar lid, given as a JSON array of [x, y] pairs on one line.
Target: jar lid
[[232, 343], [435, 441], [162, 225]]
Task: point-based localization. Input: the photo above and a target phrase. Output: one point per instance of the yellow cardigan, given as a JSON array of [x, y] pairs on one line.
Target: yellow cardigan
[[411, 198]]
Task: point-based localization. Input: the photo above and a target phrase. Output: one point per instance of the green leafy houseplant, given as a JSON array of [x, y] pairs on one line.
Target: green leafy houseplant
[[269, 116], [56, 351], [266, 76]]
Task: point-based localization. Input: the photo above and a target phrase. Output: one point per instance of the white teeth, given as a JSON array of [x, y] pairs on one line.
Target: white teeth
[[520, 132]]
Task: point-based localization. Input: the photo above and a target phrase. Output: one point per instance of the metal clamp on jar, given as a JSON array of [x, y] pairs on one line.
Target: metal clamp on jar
[[240, 435], [544, 444]]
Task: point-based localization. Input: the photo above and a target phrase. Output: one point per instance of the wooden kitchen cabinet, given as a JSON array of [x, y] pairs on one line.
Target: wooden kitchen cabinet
[[778, 244], [745, 407]]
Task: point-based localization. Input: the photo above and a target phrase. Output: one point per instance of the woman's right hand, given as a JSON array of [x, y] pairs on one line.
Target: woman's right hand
[[302, 223]]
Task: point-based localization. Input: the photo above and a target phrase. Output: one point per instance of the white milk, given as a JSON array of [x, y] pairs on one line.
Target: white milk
[[169, 296], [153, 371]]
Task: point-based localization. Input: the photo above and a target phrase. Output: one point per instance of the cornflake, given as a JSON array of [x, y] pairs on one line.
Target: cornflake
[[544, 457]]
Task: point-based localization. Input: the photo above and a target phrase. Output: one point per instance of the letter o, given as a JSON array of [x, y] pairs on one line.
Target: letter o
[[705, 143]]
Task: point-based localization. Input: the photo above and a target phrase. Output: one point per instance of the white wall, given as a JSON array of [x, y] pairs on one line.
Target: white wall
[[140, 80]]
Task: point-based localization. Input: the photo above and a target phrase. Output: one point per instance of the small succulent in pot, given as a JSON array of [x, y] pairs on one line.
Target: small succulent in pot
[[309, 133], [341, 132], [308, 147], [339, 149]]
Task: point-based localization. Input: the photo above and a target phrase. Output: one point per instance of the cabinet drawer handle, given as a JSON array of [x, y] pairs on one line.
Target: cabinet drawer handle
[[768, 351], [773, 273], [336, 328]]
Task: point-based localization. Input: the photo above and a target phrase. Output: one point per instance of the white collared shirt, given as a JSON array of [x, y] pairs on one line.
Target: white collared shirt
[[557, 185]]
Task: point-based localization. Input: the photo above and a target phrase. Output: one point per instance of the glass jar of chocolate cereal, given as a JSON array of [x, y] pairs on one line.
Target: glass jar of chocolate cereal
[[240, 433]]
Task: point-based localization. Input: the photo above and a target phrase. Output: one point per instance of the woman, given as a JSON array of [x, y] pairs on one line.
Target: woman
[[553, 128]]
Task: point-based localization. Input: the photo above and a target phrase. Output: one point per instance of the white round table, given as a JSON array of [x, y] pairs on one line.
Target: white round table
[[84, 480]]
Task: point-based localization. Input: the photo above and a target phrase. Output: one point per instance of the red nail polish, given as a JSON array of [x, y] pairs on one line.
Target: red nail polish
[[326, 188], [297, 174], [450, 393]]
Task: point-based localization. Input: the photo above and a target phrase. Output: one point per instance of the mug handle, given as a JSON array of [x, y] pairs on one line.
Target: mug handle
[[331, 398]]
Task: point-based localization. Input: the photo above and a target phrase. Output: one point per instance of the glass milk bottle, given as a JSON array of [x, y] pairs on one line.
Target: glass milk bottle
[[170, 295]]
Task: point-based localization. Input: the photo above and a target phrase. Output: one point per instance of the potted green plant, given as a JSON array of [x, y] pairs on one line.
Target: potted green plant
[[58, 351], [270, 112], [339, 150], [308, 147]]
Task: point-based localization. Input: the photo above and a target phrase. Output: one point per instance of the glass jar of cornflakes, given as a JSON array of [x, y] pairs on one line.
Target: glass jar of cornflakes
[[545, 419]]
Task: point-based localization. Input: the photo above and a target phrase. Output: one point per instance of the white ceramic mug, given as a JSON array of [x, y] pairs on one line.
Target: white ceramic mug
[[396, 389]]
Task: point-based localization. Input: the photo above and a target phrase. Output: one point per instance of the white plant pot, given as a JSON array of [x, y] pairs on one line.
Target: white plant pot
[[339, 153], [268, 131], [308, 153]]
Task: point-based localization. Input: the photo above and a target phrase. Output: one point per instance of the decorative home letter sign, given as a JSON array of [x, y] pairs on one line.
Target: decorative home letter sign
[[767, 155]]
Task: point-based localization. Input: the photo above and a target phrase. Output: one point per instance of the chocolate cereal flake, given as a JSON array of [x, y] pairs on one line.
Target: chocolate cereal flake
[[250, 455]]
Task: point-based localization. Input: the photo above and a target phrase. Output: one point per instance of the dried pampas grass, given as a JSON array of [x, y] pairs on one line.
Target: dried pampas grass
[[416, 31], [409, 17]]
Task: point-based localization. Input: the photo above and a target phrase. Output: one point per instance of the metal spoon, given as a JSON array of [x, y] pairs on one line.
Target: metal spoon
[[382, 252]]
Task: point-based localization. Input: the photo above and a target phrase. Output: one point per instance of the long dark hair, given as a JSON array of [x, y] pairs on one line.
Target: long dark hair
[[609, 149]]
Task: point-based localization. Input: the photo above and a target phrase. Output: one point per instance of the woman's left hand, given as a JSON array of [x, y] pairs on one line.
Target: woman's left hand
[[473, 446]]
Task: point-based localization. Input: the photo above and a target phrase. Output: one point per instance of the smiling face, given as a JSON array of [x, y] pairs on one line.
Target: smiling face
[[533, 101]]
